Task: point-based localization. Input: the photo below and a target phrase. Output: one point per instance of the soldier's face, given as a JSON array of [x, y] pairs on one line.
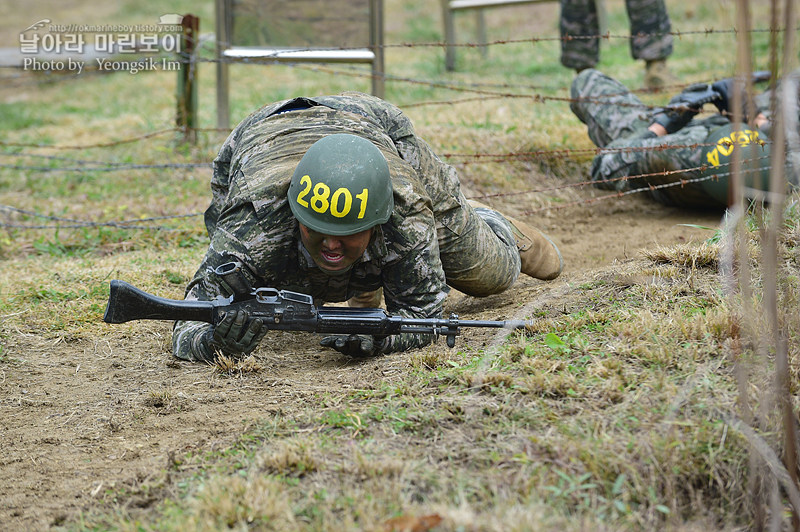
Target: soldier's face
[[334, 253]]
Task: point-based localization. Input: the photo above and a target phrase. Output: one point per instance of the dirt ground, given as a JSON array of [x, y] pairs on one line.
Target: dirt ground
[[85, 418]]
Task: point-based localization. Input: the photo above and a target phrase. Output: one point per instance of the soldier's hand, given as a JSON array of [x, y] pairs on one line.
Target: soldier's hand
[[684, 106], [353, 345], [236, 334], [726, 88]]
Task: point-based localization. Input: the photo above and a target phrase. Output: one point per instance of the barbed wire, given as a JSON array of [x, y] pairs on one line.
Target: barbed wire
[[649, 188], [474, 88], [109, 168], [113, 143], [478, 88], [607, 36], [566, 152], [55, 158], [94, 166], [91, 69], [74, 223], [137, 223], [107, 144], [664, 173], [483, 90], [600, 36]]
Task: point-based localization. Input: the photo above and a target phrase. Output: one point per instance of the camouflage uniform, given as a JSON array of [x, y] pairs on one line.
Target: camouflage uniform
[[433, 238], [617, 121], [650, 32]]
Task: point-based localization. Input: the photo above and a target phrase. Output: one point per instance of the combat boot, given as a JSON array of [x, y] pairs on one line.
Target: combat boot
[[657, 76], [366, 299], [540, 257]]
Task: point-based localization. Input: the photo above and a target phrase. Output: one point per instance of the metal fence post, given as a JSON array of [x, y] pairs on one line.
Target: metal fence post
[[376, 44], [223, 33]]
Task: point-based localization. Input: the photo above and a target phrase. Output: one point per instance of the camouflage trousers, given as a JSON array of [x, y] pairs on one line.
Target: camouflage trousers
[[609, 110], [649, 25], [483, 258]]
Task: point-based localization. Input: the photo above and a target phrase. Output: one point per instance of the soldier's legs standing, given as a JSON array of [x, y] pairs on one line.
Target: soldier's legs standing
[[579, 26], [606, 106], [651, 40], [650, 29]]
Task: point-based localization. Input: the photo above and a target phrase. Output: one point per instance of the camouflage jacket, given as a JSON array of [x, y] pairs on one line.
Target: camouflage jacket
[[658, 159], [249, 218], [632, 156]]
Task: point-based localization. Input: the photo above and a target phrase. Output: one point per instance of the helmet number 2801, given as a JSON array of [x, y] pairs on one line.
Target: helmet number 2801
[[321, 200]]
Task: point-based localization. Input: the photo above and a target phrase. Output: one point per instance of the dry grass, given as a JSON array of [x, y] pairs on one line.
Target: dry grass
[[233, 366], [692, 256], [290, 458], [232, 502]]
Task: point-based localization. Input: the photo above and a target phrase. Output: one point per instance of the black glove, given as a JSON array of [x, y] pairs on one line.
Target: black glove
[[682, 108], [236, 335], [353, 345], [726, 89]]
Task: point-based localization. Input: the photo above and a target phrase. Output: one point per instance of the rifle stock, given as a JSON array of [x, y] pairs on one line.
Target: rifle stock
[[128, 303]]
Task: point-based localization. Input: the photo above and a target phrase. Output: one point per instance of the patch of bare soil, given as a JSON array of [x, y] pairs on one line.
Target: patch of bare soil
[[88, 420]]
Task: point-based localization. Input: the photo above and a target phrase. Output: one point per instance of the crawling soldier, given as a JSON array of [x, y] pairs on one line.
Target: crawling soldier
[[337, 197]]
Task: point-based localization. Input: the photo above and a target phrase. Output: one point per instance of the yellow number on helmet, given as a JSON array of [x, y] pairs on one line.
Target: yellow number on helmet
[[348, 202], [319, 201], [305, 180]]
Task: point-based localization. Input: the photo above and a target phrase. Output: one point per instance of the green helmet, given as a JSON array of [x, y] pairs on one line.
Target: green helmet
[[718, 158], [341, 186]]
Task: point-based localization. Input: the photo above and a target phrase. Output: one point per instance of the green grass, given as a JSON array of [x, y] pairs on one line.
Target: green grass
[[17, 117]]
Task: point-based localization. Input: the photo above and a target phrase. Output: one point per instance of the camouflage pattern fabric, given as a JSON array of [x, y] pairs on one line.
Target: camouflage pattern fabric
[[649, 25], [433, 238], [617, 121]]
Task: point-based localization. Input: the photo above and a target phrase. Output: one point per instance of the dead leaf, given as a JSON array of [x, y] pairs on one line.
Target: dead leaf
[[411, 523]]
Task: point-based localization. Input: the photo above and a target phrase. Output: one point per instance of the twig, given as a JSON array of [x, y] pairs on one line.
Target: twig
[[772, 460]]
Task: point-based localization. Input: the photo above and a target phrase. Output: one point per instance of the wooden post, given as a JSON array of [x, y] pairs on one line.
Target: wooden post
[[449, 37], [187, 79]]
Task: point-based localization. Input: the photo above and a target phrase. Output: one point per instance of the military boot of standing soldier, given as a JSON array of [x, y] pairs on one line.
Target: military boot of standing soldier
[[540, 257], [657, 75], [651, 37]]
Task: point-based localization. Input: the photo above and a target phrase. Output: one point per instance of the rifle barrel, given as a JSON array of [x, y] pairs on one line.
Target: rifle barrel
[[421, 323], [507, 324]]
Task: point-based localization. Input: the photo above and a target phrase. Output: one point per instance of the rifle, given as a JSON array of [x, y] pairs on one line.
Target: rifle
[[710, 92], [281, 310], [761, 75]]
